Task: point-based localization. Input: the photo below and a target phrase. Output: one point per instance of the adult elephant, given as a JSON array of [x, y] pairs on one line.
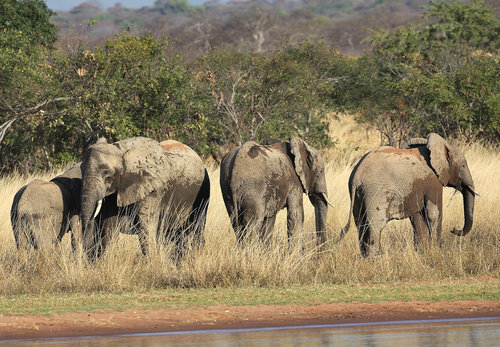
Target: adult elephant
[[257, 181], [390, 183], [154, 182], [42, 212]]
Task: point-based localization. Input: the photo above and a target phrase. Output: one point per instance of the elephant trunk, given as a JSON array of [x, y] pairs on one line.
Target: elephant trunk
[[90, 203], [468, 196], [320, 210]]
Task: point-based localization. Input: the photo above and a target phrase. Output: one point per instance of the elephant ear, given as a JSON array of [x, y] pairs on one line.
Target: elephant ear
[[440, 157], [143, 173], [302, 154]]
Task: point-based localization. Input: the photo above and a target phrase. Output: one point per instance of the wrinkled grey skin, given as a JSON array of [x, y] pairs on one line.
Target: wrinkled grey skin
[[151, 181], [390, 183], [257, 181], [42, 212]]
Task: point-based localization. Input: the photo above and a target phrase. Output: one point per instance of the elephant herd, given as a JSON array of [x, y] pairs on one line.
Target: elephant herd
[[161, 191]]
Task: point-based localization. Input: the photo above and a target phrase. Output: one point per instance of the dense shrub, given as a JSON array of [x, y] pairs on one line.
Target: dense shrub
[[440, 77]]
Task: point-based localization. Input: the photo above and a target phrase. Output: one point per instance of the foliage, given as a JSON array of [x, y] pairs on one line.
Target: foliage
[[30, 18], [127, 88], [442, 77], [27, 87], [175, 6], [421, 79], [256, 96]]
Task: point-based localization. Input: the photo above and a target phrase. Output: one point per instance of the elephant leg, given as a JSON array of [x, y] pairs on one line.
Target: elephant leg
[[368, 228], [295, 217], [433, 212], [107, 229], [148, 218], [420, 230], [236, 218], [254, 222], [25, 239], [268, 228], [361, 221], [76, 235], [18, 228], [65, 224], [363, 227], [239, 226]]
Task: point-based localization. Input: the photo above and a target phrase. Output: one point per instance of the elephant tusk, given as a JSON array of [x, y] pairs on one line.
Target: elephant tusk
[[472, 190], [97, 209], [323, 195]]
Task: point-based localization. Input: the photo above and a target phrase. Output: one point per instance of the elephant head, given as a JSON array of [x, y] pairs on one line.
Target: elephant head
[[132, 168], [452, 170], [310, 169]]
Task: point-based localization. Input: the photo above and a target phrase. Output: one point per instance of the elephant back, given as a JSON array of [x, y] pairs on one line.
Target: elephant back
[[172, 147], [253, 159], [73, 172]]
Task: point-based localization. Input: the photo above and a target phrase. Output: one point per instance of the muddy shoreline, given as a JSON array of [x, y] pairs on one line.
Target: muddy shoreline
[[102, 323]]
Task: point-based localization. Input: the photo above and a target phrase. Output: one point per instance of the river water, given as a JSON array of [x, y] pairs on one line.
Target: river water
[[438, 332]]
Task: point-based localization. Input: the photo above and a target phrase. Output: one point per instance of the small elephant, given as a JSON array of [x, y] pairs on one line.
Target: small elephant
[[390, 183], [163, 186], [42, 212], [257, 181]]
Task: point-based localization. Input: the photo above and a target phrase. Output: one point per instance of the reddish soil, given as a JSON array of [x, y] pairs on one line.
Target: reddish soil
[[14, 326]]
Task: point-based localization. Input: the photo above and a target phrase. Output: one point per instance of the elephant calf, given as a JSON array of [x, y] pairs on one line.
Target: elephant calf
[[257, 181], [390, 183], [42, 212]]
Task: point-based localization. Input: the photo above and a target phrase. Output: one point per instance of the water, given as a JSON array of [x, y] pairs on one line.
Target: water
[[439, 332]]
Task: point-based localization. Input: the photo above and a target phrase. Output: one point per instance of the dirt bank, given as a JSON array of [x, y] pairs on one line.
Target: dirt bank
[[222, 317]]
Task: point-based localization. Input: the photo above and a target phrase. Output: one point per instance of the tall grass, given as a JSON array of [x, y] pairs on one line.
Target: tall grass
[[221, 261]]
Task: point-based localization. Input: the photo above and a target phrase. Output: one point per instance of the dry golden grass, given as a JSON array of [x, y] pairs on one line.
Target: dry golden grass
[[221, 262]]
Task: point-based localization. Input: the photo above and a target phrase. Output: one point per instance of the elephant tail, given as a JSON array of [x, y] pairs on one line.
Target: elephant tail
[[352, 191], [21, 226], [23, 232]]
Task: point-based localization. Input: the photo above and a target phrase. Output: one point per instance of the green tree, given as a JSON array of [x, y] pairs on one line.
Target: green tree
[[175, 6], [420, 78], [257, 96], [29, 99], [129, 87], [31, 18]]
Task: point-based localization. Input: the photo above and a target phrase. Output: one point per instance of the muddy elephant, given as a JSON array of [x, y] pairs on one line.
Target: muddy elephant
[[163, 187], [257, 181], [42, 212], [390, 183]]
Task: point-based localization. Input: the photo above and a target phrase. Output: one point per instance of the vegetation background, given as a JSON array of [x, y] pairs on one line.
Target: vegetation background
[[63, 86], [218, 75]]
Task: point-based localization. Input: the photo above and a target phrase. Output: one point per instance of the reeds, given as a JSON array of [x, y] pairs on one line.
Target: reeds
[[221, 261]]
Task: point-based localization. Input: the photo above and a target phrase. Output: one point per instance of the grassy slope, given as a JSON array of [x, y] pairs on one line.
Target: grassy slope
[[330, 274]]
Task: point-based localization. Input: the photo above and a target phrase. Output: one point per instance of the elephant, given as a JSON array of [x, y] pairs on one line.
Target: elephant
[[389, 183], [257, 181], [42, 212], [150, 182]]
